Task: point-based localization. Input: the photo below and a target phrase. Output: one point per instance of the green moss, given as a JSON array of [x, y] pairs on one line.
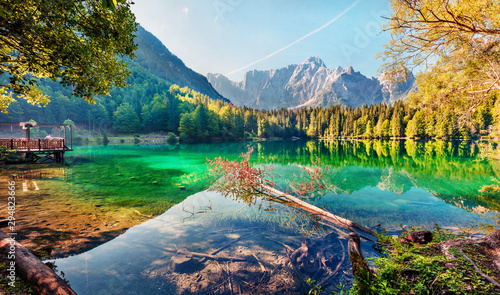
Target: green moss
[[135, 202], [410, 269], [20, 286]]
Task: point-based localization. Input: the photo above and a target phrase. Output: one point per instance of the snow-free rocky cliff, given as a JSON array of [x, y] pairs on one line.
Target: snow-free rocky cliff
[[310, 83]]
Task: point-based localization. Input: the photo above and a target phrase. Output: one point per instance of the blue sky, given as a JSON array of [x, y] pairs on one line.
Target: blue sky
[[234, 36]]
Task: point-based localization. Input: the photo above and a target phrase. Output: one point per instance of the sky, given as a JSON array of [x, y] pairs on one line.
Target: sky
[[233, 37]]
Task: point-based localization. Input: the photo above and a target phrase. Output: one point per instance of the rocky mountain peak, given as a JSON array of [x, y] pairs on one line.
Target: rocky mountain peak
[[314, 60], [308, 84], [350, 71]]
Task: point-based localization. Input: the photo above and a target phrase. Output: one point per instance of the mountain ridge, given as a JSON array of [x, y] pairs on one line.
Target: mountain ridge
[[309, 83], [154, 56], [154, 70]]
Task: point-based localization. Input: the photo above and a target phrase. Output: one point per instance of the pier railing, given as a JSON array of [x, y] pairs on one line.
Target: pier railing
[[34, 145]]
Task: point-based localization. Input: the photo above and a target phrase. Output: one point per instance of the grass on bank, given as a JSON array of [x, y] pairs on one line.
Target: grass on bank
[[412, 269]]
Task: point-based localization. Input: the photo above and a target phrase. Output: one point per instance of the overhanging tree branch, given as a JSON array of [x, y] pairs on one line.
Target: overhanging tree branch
[[76, 42], [456, 44]]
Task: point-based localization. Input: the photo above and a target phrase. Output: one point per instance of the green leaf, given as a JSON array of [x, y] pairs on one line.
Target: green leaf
[[109, 4]]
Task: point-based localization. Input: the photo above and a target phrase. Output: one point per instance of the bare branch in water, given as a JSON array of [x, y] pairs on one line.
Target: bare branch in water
[[240, 180]]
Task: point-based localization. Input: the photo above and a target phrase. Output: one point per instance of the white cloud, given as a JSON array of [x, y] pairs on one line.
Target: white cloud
[[185, 10]]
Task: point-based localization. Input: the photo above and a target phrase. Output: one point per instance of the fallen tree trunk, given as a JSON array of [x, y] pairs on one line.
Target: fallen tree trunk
[[240, 178], [325, 215], [38, 275]]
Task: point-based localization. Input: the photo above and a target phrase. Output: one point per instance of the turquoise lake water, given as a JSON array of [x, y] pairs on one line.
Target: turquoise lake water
[[391, 183]]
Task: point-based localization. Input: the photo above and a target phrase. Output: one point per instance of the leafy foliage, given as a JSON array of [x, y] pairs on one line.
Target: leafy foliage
[[10, 156], [126, 119], [74, 42], [457, 43], [240, 179]]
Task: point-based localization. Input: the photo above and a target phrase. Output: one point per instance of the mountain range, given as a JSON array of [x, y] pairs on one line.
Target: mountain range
[[310, 83], [153, 71], [152, 55], [155, 68]]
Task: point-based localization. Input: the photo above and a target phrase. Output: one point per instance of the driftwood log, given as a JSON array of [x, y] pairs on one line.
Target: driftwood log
[[359, 266], [325, 215], [38, 275]]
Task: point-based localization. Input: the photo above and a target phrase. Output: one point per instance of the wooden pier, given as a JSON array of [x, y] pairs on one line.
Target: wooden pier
[[40, 150]]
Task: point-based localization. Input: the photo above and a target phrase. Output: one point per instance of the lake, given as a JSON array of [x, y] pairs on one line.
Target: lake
[[113, 221]]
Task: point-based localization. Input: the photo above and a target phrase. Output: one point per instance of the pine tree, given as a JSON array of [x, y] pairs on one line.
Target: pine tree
[[312, 130]]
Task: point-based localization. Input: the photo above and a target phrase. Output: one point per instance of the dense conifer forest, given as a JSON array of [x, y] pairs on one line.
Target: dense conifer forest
[[151, 104]]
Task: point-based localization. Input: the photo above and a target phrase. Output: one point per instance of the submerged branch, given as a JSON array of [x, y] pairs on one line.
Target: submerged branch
[[241, 180], [323, 214]]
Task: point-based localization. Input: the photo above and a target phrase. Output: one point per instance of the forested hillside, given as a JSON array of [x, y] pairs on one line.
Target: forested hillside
[[152, 55], [153, 71], [154, 103]]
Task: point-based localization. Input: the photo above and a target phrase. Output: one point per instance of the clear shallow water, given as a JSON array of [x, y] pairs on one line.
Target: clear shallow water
[[382, 182], [136, 262]]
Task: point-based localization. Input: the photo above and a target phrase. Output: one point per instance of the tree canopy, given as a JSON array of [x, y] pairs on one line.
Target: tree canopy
[[456, 43], [80, 43], [125, 118]]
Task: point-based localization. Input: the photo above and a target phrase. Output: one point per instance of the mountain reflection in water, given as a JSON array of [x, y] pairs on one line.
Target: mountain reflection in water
[[110, 189]]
